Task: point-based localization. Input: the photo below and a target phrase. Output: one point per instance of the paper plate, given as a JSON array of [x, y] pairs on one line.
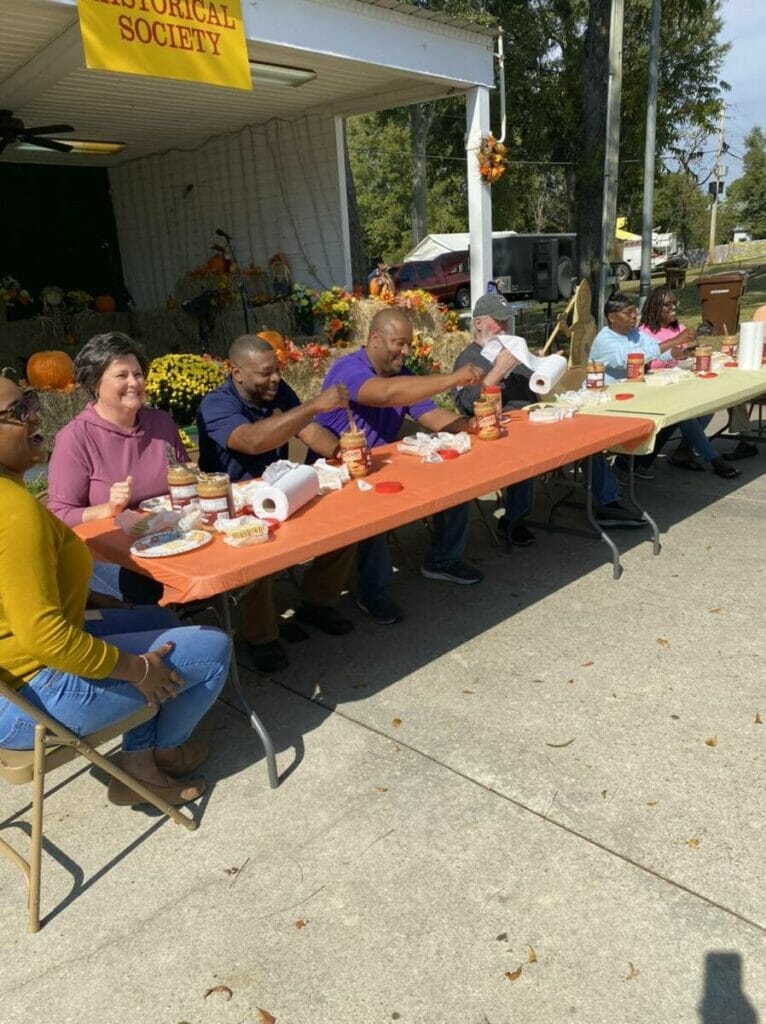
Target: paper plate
[[171, 542], [160, 504]]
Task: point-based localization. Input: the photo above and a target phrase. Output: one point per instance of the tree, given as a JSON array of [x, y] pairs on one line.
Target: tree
[[747, 195], [681, 207]]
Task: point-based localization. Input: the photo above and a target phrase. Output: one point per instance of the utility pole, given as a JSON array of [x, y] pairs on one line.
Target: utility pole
[[650, 145], [611, 149], [717, 175]]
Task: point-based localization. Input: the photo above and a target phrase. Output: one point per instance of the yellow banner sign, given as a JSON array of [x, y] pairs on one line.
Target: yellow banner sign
[[191, 40]]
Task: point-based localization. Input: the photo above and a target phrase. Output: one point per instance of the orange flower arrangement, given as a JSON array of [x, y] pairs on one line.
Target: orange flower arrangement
[[492, 159]]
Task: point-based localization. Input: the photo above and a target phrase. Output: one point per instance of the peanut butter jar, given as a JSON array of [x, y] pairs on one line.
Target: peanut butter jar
[[215, 501], [487, 421], [636, 368], [702, 359], [595, 375], [355, 453], [182, 485], [494, 394]]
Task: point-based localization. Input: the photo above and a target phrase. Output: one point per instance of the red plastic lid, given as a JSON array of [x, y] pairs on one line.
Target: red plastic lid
[[272, 524], [492, 389], [448, 453], [730, 364], [623, 396], [388, 487], [707, 376]]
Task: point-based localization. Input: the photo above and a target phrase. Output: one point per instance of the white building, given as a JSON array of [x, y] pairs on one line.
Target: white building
[[265, 166]]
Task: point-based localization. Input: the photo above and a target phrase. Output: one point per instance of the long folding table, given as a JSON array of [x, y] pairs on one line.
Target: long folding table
[[350, 515]]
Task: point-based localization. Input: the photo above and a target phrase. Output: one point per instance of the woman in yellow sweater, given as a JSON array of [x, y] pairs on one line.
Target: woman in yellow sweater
[[89, 674]]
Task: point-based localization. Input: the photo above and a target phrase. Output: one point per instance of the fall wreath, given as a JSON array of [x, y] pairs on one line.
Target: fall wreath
[[492, 159]]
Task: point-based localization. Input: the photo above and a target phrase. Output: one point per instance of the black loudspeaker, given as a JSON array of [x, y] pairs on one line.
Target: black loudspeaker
[[546, 270]]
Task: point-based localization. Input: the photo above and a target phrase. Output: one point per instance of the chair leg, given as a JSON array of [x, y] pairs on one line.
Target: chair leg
[[35, 856]]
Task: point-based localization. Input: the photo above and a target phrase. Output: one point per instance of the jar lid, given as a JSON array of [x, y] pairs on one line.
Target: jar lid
[[448, 453], [623, 396], [492, 389], [388, 487]]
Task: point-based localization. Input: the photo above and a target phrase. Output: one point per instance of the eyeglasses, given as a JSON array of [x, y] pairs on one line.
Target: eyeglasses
[[22, 410]]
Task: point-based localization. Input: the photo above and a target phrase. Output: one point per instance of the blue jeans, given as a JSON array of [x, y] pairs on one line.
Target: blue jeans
[[693, 433], [124, 584], [200, 657], [374, 559], [518, 501], [605, 485]]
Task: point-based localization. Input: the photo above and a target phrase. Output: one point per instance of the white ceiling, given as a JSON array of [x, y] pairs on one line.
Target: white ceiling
[[44, 81]]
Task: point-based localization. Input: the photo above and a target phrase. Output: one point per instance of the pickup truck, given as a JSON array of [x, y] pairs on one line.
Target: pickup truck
[[447, 278]]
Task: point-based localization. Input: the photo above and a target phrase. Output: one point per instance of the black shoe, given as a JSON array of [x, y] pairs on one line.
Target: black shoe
[[721, 468], [455, 572], [382, 610], [744, 450], [291, 632], [268, 657], [325, 618], [614, 514], [521, 537]]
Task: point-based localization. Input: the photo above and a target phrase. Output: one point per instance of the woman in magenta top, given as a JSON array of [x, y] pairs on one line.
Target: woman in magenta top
[[660, 321], [113, 454]]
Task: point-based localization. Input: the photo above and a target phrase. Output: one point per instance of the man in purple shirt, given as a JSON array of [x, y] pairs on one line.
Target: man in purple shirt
[[244, 425], [382, 391]]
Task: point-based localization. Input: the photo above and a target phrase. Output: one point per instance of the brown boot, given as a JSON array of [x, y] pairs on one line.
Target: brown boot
[[175, 793], [179, 761]]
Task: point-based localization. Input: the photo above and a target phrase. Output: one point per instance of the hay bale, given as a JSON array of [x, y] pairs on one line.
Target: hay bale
[[57, 408]]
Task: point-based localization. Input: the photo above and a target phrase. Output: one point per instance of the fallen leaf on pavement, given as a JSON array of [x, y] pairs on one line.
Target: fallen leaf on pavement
[[223, 990], [396, 722], [231, 871], [758, 720], [570, 680], [514, 975], [633, 972], [301, 923], [502, 937], [604, 792], [559, 745], [714, 610], [587, 664], [651, 803], [663, 642], [469, 691], [693, 843], [382, 789], [711, 741], [265, 1017], [531, 955]]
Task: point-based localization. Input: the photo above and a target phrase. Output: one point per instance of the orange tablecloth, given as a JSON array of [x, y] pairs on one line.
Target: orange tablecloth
[[347, 516]]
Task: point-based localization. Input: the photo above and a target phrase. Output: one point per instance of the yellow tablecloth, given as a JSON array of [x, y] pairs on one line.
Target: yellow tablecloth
[[686, 400]]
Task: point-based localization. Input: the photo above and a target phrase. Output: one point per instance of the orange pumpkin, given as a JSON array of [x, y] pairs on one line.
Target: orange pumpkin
[[104, 304], [50, 371], [374, 285], [274, 339], [216, 264]]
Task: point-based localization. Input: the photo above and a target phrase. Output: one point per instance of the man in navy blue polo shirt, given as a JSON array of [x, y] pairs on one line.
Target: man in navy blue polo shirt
[[244, 425]]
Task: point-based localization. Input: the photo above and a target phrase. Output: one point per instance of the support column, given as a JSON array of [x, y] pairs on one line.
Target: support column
[[345, 232], [479, 199]]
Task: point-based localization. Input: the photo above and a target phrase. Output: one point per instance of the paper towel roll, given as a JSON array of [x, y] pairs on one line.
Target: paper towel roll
[[547, 371], [750, 350], [289, 493]]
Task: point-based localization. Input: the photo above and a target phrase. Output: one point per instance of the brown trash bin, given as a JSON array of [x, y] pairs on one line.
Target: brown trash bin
[[719, 300]]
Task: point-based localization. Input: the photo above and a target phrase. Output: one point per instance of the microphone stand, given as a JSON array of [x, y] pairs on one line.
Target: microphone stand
[[241, 280]]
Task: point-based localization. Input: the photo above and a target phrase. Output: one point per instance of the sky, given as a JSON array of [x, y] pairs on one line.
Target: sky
[[745, 71]]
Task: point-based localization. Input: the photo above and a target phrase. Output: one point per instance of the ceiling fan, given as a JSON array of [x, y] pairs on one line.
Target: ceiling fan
[[12, 130]]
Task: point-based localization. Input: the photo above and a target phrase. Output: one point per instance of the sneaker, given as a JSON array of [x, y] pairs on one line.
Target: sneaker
[[724, 469], [744, 450], [454, 572], [324, 617], [381, 610], [521, 536], [615, 514], [270, 657]]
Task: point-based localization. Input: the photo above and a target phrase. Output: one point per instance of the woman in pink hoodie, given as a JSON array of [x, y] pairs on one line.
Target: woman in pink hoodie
[[113, 454]]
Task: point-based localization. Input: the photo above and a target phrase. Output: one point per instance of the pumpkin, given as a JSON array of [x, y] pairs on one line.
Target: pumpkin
[[50, 371], [216, 264], [374, 285], [274, 339], [104, 304]]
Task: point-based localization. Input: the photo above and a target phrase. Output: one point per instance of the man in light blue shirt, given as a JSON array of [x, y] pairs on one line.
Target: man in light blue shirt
[[611, 347]]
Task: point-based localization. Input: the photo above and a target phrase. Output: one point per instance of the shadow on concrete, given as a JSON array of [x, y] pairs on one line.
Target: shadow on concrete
[[723, 1000]]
